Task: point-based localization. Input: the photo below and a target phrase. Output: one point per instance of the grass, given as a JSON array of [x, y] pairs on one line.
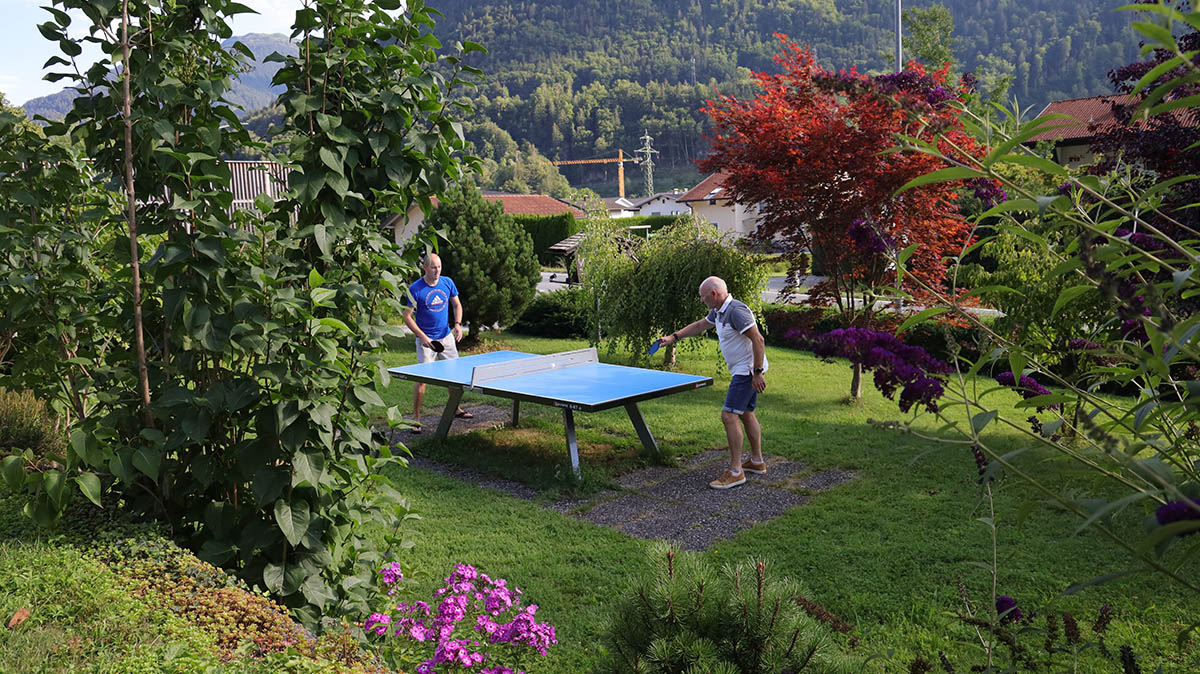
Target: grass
[[883, 552]]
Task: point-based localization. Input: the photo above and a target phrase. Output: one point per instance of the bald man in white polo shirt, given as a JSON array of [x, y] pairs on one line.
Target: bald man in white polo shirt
[[745, 353]]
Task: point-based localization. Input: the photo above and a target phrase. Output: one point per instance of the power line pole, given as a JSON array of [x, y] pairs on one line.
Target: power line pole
[[647, 162], [899, 40]]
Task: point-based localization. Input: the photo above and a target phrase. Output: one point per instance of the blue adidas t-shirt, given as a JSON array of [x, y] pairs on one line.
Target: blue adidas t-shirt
[[432, 311]]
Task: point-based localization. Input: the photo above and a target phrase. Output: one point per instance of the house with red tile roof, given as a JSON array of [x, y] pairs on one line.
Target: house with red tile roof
[[1088, 118], [709, 202], [1073, 137], [514, 204]]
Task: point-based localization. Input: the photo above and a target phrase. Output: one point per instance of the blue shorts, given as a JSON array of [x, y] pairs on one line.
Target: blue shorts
[[741, 397]]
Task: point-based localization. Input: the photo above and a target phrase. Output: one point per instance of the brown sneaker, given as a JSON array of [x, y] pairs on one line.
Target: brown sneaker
[[728, 480], [749, 466]]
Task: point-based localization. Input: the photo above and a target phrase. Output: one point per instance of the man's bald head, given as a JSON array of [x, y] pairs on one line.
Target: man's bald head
[[713, 292], [714, 283]]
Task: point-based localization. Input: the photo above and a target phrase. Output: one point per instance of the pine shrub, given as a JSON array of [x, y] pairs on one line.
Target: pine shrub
[[687, 617], [26, 424], [489, 257]]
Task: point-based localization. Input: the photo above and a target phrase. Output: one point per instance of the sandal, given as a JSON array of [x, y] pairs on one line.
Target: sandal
[[415, 430], [463, 415]]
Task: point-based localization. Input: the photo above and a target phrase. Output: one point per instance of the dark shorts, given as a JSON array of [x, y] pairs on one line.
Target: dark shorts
[[741, 396]]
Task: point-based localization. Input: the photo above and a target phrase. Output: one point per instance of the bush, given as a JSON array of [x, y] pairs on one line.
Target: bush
[[561, 313], [25, 423], [489, 257], [940, 340], [547, 230], [689, 618]]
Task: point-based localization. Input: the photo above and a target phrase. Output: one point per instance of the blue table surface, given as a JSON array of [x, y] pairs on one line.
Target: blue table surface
[[590, 384]]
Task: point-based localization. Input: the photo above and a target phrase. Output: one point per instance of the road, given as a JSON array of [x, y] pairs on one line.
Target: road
[[555, 280]]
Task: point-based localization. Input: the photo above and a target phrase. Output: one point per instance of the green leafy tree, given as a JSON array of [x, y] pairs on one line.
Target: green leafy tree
[[931, 34], [220, 365], [489, 256], [647, 288]]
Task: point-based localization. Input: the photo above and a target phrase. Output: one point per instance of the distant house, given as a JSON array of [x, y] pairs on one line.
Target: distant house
[[620, 207], [709, 202], [514, 204], [1073, 139], [663, 203]]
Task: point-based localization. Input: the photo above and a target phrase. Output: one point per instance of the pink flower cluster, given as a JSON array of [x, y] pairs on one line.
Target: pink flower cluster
[[499, 620]]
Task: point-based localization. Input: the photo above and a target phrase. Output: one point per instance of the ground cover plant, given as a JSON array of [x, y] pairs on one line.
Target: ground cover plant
[[104, 595], [883, 553]]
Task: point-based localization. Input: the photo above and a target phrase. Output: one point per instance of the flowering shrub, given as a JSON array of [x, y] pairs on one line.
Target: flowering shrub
[[471, 612], [896, 365]]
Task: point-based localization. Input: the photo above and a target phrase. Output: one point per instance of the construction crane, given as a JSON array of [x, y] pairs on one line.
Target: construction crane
[[619, 160]]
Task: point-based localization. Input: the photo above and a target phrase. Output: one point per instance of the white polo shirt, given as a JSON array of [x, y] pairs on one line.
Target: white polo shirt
[[732, 320]]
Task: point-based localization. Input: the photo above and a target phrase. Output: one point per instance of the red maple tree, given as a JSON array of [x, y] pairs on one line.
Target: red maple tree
[[813, 151]]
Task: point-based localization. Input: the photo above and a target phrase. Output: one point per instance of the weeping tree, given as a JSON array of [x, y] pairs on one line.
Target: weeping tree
[[220, 366], [645, 288]]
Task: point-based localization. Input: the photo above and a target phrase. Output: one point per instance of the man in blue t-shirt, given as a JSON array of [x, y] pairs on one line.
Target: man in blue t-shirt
[[433, 297]]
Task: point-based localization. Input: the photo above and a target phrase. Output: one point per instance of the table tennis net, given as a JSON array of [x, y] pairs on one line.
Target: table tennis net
[[484, 374]]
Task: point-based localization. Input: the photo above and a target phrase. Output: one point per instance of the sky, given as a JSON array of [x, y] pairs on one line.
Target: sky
[[23, 50]]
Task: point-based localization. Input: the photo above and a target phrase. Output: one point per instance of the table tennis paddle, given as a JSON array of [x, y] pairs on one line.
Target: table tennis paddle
[[437, 346], [655, 346]]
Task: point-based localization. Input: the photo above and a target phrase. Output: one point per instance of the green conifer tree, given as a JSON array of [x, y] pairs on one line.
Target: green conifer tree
[[489, 256]]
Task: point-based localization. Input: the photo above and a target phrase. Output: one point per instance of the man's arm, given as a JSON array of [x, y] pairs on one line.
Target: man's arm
[[457, 327], [687, 331], [758, 346], [412, 325]]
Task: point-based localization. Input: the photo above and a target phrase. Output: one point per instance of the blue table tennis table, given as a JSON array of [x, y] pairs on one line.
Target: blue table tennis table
[[575, 381]]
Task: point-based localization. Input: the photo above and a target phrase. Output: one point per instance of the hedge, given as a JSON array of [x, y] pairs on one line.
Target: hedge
[[548, 230]]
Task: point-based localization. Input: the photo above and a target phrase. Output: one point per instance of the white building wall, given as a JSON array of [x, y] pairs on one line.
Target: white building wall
[[727, 216]]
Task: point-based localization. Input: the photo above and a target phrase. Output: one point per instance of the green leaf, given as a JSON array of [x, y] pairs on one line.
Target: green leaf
[[292, 520], [148, 460], [1067, 295], [89, 485], [14, 472], [1109, 508], [940, 176], [322, 239], [54, 482], [216, 552], [307, 468], [921, 317], [273, 577], [315, 280], [1076, 588], [981, 420]]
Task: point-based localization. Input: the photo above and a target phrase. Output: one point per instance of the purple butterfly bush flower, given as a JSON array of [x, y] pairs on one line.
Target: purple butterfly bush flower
[[867, 240], [987, 191], [1027, 386], [1006, 608], [474, 614], [1142, 240], [896, 365], [1178, 511]]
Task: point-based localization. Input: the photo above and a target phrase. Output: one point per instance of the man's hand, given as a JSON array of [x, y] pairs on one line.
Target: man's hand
[[426, 342], [759, 382], [457, 333]]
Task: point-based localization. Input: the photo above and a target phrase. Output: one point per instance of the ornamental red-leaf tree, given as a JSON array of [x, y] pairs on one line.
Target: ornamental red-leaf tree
[[815, 151]]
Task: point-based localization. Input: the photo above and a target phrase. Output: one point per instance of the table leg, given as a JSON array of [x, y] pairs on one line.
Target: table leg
[[639, 425], [516, 411], [572, 445], [456, 394]]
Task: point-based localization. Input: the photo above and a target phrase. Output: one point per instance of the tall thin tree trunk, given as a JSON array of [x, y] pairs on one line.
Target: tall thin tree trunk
[[856, 382], [669, 359], [131, 214]]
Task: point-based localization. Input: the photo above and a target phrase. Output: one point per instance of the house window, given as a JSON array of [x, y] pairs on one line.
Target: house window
[[712, 202]]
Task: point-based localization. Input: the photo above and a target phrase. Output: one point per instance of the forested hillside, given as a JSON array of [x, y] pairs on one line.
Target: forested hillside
[[579, 78]]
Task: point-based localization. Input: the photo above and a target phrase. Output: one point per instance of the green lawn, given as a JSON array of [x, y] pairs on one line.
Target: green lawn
[[882, 552]]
